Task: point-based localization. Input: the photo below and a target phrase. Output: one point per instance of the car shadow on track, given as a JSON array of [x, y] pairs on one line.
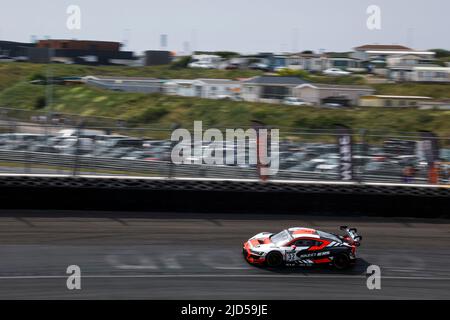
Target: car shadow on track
[[360, 268]]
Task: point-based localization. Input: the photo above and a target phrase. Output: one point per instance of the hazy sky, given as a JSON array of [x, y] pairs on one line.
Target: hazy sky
[[238, 25]]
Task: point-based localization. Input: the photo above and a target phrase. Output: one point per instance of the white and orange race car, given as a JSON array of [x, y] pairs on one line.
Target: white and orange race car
[[303, 247]]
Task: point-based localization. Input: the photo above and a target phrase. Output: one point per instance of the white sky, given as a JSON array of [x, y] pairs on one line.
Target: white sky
[[238, 25]]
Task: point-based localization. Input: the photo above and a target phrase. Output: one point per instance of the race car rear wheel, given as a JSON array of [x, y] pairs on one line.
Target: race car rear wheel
[[341, 261], [274, 259]]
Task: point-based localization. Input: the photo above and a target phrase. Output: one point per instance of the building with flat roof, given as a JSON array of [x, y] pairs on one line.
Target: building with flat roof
[[380, 56], [392, 101], [157, 57], [14, 49], [271, 89], [318, 93], [384, 47], [81, 52], [88, 45], [126, 84], [217, 88]]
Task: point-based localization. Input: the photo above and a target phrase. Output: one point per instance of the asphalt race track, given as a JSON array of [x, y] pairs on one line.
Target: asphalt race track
[[186, 256]]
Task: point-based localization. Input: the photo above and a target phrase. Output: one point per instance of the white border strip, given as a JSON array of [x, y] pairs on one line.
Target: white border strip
[[292, 182]]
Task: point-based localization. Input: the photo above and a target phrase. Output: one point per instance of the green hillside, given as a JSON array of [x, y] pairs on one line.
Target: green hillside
[[17, 92]]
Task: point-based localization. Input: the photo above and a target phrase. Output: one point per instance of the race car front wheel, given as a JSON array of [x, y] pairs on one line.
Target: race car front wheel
[[341, 261], [274, 259]]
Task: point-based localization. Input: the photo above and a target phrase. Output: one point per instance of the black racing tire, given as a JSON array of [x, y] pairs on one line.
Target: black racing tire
[[341, 261], [274, 259]]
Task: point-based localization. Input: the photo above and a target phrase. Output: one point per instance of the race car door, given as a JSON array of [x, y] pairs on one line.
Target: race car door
[[297, 248]]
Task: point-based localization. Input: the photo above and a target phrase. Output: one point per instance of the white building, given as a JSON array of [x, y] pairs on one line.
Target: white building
[[307, 61], [408, 60], [317, 93], [269, 89], [420, 73], [430, 74], [205, 61], [386, 56], [390, 101], [179, 87], [216, 88], [203, 88]]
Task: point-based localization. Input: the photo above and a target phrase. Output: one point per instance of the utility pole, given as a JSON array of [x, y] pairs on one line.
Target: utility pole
[[49, 87]]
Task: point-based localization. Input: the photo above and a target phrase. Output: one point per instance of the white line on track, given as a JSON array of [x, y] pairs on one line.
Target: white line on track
[[284, 276], [232, 268]]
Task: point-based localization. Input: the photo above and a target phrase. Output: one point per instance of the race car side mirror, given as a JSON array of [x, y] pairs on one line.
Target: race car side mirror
[[293, 247]]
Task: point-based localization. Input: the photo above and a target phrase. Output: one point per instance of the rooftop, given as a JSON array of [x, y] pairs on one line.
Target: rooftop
[[299, 232], [217, 81], [275, 80], [336, 86], [432, 68], [403, 52], [397, 97], [113, 78], [393, 47]]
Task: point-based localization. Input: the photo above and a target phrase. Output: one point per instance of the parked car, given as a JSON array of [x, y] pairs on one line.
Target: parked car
[[329, 166], [333, 105], [43, 148], [306, 166], [103, 139], [201, 65], [21, 141], [383, 169], [118, 152], [445, 154], [140, 155], [232, 66], [293, 101], [78, 146], [259, 66], [336, 72]]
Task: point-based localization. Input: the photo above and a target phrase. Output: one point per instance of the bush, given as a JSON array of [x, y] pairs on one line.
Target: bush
[[37, 76], [40, 103], [294, 73], [181, 63], [441, 53], [151, 115]]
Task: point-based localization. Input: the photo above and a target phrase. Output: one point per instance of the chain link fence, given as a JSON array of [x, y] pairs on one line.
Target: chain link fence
[[32, 144]]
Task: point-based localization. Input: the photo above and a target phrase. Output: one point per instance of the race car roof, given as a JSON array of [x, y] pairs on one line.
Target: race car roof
[[299, 232]]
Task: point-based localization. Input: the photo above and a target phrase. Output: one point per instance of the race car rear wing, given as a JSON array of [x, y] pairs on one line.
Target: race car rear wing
[[352, 234]]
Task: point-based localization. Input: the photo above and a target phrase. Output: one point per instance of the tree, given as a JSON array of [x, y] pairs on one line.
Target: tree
[[181, 63], [441, 53]]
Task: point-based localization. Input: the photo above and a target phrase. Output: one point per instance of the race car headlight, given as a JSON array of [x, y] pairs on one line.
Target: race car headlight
[[257, 253]]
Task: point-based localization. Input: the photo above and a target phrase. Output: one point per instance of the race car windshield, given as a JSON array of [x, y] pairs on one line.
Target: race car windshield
[[327, 235], [281, 238]]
